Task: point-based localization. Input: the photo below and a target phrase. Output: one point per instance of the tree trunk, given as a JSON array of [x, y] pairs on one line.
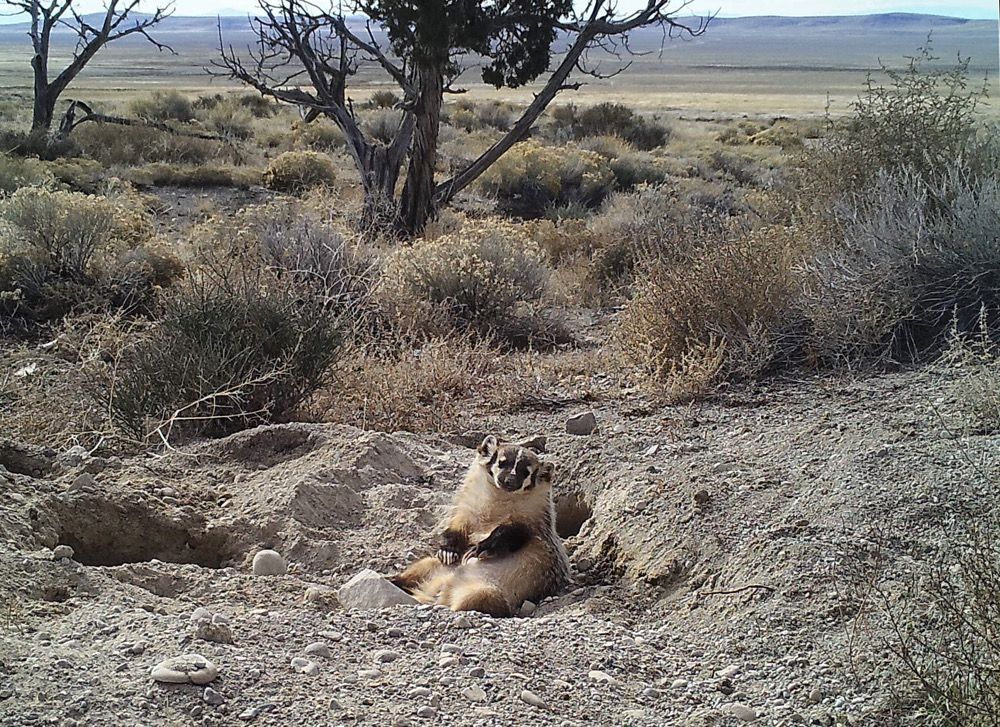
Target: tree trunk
[[379, 174], [45, 100], [417, 204]]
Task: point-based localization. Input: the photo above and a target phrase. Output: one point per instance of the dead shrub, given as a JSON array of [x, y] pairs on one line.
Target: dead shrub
[[298, 171], [713, 309], [111, 144], [190, 175], [318, 135]]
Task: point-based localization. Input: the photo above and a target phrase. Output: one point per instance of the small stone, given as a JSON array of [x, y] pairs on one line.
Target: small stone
[[679, 684], [461, 622], [201, 614], [210, 696], [474, 694], [73, 457], [427, 712], [741, 711], [394, 633], [477, 671], [728, 672], [369, 673], [62, 552], [319, 594], [217, 633], [138, 648], [63, 664], [419, 693], [702, 497], [527, 608], [448, 662], [385, 656], [318, 648], [83, 481], [368, 589], [651, 693], [251, 713], [305, 666], [196, 711], [815, 696], [596, 675], [533, 699], [581, 424], [269, 563], [332, 635], [193, 668], [218, 618], [447, 648]]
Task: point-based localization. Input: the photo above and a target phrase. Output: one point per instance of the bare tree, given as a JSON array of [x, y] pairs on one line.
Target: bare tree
[[120, 20], [305, 55]]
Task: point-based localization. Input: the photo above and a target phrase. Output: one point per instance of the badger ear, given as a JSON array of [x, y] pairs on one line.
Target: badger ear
[[488, 448], [546, 472], [535, 444]]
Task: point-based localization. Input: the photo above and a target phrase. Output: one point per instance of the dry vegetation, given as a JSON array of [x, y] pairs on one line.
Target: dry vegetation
[[713, 255]]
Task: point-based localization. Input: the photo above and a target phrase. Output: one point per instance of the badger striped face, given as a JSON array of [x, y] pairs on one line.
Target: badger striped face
[[513, 468]]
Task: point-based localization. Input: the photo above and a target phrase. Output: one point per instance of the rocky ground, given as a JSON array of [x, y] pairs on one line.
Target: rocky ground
[[718, 551]]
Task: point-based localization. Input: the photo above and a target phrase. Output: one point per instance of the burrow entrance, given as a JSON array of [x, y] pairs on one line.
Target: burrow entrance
[[103, 532], [572, 511]]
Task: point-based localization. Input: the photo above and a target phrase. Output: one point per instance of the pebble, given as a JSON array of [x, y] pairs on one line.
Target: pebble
[[218, 618], [269, 563], [215, 632], [210, 696], [369, 673], [461, 622], [651, 693], [448, 661], [394, 633], [138, 648], [385, 656], [451, 648], [332, 635], [527, 608], [815, 696], [63, 664], [581, 424], [741, 712], [533, 699], [193, 668], [62, 552], [318, 594], [474, 694], [318, 648], [305, 666], [254, 712], [678, 684], [201, 614], [596, 675], [477, 671], [427, 712], [419, 692], [728, 672]]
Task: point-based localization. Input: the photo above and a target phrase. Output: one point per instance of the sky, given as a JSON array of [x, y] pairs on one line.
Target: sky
[[987, 9]]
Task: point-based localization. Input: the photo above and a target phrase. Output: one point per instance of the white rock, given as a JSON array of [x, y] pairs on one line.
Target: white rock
[[193, 668], [304, 666], [740, 711], [596, 675], [427, 712], [582, 424], [269, 563], [218, 618], [474, 694], [201, 614], [533, 699], [678, 683], [368, 589], [729, 671], [62, 552], [210, 696], [461, 622]]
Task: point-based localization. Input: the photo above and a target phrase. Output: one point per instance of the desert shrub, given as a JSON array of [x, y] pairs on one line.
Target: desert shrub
[[163, 106], [297, 171], [228, 120], [743, 169], [38, 144], [976, 361], [495, 115], [318, 135], [713, 309], [384, 99], [618, 120], [79, 175], [295, 244], [64, 250], [260, 107], [17, 172], [915, 259], [382, 124], [191, 175], [111, 144], [231, 350], [415, 384], [630, 167], [531, 178], [476, 279], [924, 121], [785, 135]]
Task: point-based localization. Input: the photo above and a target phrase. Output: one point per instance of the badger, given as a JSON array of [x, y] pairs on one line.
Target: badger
[[500, 547]]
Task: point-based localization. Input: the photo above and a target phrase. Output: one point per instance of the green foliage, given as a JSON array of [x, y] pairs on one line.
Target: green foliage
[[383, 99], [16, 172], [297, 171]]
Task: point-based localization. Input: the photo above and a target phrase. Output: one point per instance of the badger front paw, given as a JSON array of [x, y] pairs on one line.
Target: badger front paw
[[453, 544]]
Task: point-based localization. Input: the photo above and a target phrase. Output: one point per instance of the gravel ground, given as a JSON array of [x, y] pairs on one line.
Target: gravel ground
[[712, 549]]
